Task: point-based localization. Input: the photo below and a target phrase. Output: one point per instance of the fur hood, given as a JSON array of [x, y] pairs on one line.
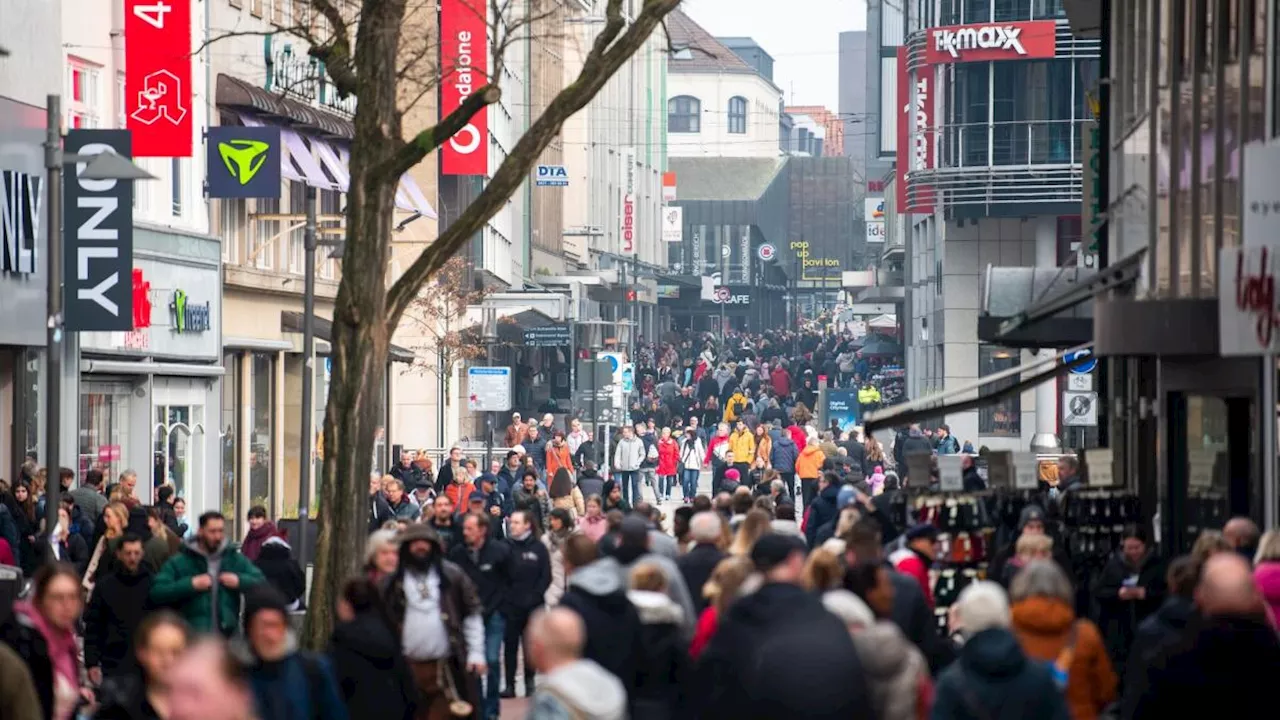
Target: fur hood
[[655, 608], [894, 668]]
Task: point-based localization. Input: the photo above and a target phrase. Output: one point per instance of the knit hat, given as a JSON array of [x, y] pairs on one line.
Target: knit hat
[[922, 531], [773, 549], [263, 597], [847, 496], [1030, 513], [732, 474]]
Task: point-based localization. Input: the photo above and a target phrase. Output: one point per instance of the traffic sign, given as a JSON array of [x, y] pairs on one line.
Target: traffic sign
[[556, 335], [1083, 368], [766, 252], [489, 389], [1080, 409]]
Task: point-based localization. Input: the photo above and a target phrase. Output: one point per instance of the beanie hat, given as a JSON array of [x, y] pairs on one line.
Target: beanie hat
[[732, 474], [263, 597], [847, 496], [1030, 513]]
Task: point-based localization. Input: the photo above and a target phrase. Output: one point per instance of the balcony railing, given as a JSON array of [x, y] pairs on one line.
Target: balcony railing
[[1033, 142]]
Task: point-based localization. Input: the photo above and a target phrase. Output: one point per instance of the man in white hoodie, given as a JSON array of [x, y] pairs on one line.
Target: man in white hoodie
[[570, 687], [627, 457]]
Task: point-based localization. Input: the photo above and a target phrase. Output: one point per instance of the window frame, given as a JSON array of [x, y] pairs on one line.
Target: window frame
[[991, 360], [684, 115], [737, 124]]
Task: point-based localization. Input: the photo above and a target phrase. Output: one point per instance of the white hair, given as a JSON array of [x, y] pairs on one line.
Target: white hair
[[379, 540], [982, 605], [704, 527], [850, 608]]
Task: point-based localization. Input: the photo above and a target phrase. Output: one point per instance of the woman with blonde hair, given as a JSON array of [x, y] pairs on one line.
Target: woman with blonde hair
[[115, 517], [753, 527], [730, 580], [822, 572]]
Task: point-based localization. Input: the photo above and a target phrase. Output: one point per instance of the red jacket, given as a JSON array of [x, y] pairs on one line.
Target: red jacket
[[908, 562], [797, 435], [713, 443], [668, 456], [781, 381]]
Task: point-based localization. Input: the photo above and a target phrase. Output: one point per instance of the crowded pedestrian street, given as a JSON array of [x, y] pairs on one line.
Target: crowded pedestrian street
[[639, 359]]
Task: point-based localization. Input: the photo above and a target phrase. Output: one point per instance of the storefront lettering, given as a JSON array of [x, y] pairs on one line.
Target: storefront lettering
[[188, 318], [821, 262], [1256, 295], [732, 300], [983, 37], [19, 222], [290, 75]]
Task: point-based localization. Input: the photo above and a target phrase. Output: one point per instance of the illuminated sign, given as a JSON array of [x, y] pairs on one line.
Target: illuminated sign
[[188, 317]]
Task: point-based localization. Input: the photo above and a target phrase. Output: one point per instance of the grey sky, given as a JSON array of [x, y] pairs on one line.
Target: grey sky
[[801, 35]]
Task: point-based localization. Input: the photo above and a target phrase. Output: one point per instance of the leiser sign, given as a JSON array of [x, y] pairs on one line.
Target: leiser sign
[[464, 56], [991, 41]]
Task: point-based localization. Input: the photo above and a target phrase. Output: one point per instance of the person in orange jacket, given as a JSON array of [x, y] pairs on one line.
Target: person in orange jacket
[[558, 456], [809, 469]]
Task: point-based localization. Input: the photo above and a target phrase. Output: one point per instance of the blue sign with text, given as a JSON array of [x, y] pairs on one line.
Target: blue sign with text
[[553, 175]]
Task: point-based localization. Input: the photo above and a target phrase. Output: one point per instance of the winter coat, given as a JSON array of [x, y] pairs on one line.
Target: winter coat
[[594, 528], [536, 448], [1162, 630], [530, 576], [823, 511], [628, 454], [668, 456], [764, 449], [18, 694], [515, 434], [1221, 667], [1267, 576], [534, 502], [555, 552], [696, 567], [734, 407], [172, 587], [777, 653], [558, 457], [581, 690], [693, 453], [298, 686], [490, 573], [809, 464], [280, 569], [590, 483], [573, 502], [380, 511], [1118, 619], [914, 565], [406, 509], [73, 551], [743, 446], [124, 697], [596, 592], [783, 454], [994, 680], [897, 675], [25, 633], [373, 676], [253, 539], [1043, 626], [119, 602], [663, 665]]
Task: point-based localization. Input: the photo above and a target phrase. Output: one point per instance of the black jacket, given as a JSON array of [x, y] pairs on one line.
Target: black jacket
[[530, 575], [1158, 634], [75, 551], [823, 511], [22, 636], [379, 511], [1222, 667], [596, 592], [912, 615], [696, 566], [779, 654], [124, 697], [276, 562], [450, 534], [1118, 619], [663, 666], [490, 570], [994, 680], [373, 676], [119, 603]]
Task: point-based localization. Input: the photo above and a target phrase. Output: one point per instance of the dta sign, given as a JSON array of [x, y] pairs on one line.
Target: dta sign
[[991, 41], [98, 231], [553, 176], [464, 56]]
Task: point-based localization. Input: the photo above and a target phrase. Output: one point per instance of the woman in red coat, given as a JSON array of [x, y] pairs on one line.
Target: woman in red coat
[[668, 455]]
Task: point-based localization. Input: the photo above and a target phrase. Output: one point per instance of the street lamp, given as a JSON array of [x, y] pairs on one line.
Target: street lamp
[[725, 250], [490, 339], [99, 166]]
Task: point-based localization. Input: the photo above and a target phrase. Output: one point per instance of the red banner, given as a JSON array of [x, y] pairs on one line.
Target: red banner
[[915, 134], [464, 61], [157, 58], [991, 41], [903, 160]]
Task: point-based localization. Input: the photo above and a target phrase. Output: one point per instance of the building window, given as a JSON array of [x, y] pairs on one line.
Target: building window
[[330, 202], [737, 115], [1003, 418], [175, 185], [262, 235], [84, 93], [231, 221], [229, 436], [297, 207], [104, 428], [262, 418], [122, 117], [684, 114]]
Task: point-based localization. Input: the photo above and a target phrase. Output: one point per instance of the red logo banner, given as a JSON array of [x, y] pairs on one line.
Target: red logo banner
[[157, 57], [915, 135], [464, 61], [991, 41]]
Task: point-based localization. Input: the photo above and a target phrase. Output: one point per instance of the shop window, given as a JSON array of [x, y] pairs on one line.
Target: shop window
[[1003, 418], [262, 418], [976, 11], [684, 114], [232, 213], [229, 430], [262, 235], [1012, 10], [178, 452], [297, 207], [104, 429], [737, 115], [84, 107]]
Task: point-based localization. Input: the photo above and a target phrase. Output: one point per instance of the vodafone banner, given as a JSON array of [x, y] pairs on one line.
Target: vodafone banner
[[157, 80], [915, 133], [991, 41], [464, 62]]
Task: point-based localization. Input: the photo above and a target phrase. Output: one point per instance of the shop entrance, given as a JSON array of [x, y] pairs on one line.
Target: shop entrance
[[178, 439]]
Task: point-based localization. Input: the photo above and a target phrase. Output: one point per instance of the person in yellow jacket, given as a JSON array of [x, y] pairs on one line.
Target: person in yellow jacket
[[734, 407], [868, 397], [743, 446], [809, 468]]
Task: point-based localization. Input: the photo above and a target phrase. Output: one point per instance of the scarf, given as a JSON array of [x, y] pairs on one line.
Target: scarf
[[62, 655]]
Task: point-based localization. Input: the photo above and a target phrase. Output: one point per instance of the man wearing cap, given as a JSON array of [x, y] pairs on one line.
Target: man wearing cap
[[516, 431], [916, 556], [407, 472], [493, 503], [778, 653]]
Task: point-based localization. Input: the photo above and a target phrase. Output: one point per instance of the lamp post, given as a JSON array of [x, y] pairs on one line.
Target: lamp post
[[490, 339], [100, 166], [308, 371], [725, 249]]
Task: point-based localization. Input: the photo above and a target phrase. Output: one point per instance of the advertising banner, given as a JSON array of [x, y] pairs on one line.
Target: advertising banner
[[873, 213], [464, 61], [1248, 309], [842, 407], [915, 138], [627, 223], [243, 162], [157, 81], [991, 41], [672, 224], [98, 235]]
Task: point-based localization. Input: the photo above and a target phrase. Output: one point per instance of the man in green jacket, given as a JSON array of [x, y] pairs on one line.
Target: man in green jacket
[[203, 582]]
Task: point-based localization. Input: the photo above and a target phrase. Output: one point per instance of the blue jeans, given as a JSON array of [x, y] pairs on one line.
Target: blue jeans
[[665, 482], [689, 481], [495, 627], [629, 483]]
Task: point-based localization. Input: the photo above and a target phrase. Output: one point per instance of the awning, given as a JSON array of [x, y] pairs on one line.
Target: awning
[[1008, 291], [1117, 275], [883, 322], [512, 322], [236, 94], [291, 322], [1037, 371]]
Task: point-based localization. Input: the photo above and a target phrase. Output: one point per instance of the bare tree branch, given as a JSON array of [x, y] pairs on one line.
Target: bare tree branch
[[335, 52], [608, 54], [433, 137]]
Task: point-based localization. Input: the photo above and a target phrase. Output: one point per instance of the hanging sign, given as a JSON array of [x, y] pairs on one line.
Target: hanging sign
[[464, 56], [243, 162], [627, 223], [157, 60], [1026, 471], [672, 224], [98, 230], [951, 473]]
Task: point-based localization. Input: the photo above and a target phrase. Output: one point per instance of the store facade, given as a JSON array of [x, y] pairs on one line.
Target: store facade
[[149, 399]]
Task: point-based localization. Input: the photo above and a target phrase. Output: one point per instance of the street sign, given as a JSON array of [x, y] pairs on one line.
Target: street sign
[[548, 336], [98, 238], [766, 252], [1084, 368], [1080, 409], [951, 473], [603, 371], [552, 175], [1079, 383], [489, 389]]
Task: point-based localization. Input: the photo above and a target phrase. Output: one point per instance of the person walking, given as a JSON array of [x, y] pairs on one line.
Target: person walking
[[487, 561], [692, 457], [628, 456], [668, 462], [288, 683], [116, 610], [142, 693], [530, 576], [373, 674], [203, 583], [42, 631], [572, 686]]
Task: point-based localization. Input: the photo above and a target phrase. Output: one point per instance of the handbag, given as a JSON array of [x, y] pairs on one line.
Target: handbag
[[457, 706]]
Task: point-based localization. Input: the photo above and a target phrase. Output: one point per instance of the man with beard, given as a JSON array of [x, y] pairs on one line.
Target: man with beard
[[118, 604], [204, 581], [438, 616], [445, 523]]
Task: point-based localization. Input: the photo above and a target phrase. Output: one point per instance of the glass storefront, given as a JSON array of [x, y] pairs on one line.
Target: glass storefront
[[1003, 418], [179, 447], [229, 428], [104, 428], [262, 416]]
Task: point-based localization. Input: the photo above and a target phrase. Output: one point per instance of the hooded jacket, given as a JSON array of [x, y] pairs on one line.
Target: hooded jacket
[[530, 575], [276, 562], [663, 665], [628, 454], [825, 509], [896, 671], [47, 653], [809, 464], [994, 680], [784, 454], [581, 690], [596, 592], [119, 603], [373, 676], [215, 609], [1043, 626]]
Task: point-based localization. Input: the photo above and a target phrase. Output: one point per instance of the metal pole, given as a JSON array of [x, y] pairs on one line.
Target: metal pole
[[1269, 440], [724, 282], [53, 340], [489, 339], [626, 307], [308, 372]]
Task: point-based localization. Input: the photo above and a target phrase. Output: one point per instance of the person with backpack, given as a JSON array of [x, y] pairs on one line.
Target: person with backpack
[[288, 683]]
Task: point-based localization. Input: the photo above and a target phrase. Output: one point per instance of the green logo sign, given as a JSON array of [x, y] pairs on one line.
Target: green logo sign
[[243, 158], [243, 162], [187, 317]]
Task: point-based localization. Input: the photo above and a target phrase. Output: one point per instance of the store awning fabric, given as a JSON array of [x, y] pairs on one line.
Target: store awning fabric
[[291, 322], [1037, 371], [1118, 274]]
